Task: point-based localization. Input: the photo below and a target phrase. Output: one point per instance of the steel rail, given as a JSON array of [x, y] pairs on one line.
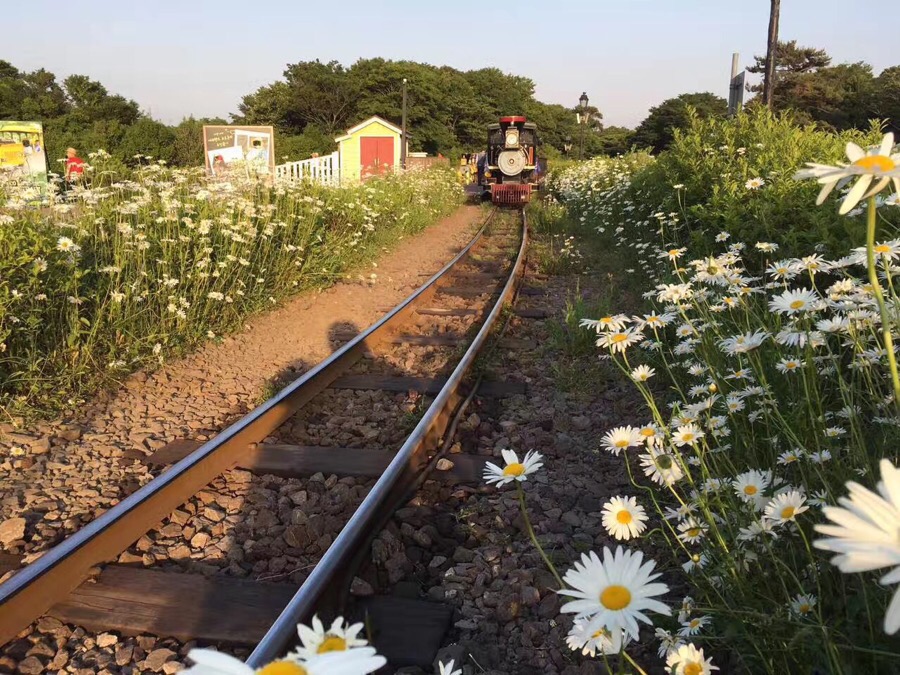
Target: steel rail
[[36, 588], [390, 488]]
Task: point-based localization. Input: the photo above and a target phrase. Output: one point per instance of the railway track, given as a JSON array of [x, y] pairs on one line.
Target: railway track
[[443, 325]]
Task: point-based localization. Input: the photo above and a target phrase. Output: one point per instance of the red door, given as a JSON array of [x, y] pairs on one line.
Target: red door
[[376, 155]]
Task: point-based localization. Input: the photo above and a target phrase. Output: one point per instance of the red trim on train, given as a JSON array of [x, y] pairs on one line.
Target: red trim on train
[[514, 119]]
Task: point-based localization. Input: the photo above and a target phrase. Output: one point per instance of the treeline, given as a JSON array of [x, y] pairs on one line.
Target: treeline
[[448, 109]]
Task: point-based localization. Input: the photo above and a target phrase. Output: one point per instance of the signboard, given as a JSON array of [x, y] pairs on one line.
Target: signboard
[[238, 148], [23, 158]]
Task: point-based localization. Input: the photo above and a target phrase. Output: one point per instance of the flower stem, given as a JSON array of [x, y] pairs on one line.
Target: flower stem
[[633, 663], [534, 540], [879, 298]]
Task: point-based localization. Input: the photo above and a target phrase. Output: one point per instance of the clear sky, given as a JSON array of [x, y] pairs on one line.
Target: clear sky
[[181, 57]]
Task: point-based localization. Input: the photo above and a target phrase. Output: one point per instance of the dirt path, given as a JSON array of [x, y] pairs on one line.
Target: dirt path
[[57, 475]]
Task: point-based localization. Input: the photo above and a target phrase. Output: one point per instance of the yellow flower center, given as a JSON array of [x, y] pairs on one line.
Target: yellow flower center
[[713, 387], [882, 248], [790, 365], [695, 623], [624, 517], [622, 443], [693, 532], [615, 597], [876, 163], [514, 469], [797, 304], [687, 436], [804, 608], [283, 668], [790, 458], [619, 337], [750, 490], [693, 668], [647, 432], [787, 512], [674, 252], [332, 643]]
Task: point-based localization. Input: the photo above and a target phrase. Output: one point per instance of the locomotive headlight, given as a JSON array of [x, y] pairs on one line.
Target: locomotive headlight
[[512, 138]]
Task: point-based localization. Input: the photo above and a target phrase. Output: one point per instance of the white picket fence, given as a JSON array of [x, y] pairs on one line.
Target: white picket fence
[[326, 170]]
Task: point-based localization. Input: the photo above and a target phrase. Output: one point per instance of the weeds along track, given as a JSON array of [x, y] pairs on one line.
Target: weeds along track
[[239, 538]]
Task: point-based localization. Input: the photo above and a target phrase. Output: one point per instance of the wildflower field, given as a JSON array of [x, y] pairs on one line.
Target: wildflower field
[[141, 264], [764, 472]]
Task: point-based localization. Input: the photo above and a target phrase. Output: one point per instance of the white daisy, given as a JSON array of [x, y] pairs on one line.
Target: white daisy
[[803, 605], [338, 638], [691, 531], [788, 365], [794, 301], [616, 592], [589, 641], [687, 435], [618, 341], [661, 467], [785, 507], [624, 518], [514, 470], [688, 660], [750, 485], [667, 641], [359, 661], [620, 438], [642, 373], [693, 626], [864, 534], [868, 165], [447, 668], [754, 183]]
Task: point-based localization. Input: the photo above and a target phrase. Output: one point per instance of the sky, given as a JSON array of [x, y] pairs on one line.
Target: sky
[[199, 57]]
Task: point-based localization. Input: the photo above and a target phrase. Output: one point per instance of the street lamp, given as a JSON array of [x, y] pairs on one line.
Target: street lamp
[[403, 140], [583, 102], [567, 145]]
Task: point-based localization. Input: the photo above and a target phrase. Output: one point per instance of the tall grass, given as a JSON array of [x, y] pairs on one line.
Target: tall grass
[[144, 265]]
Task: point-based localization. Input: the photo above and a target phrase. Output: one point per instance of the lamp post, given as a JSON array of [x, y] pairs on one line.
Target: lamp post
[[403, 129], [583, 103], [567, 145]]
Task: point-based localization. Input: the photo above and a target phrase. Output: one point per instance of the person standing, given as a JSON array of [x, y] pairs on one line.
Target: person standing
[[74, 166]]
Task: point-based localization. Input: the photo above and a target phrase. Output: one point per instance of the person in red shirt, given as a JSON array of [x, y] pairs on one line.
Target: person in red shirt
[[74, 166]]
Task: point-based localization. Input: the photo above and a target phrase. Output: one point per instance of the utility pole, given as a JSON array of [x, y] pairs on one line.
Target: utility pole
[[769, 81], [403, 130], [736, 88]]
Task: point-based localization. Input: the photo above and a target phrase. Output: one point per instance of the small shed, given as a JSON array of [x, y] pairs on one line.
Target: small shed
[[371, 147]]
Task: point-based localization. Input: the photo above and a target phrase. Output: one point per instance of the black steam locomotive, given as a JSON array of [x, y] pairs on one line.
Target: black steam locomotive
[[511, 166]]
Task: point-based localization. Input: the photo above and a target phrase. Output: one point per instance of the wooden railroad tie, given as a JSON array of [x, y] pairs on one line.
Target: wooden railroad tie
[[293, 461]]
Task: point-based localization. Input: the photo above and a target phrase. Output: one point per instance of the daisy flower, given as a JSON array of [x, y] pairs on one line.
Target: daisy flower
[[582, 637], [514, 470], [360, 661], [785, 507], [338, 638], [741, 344], [621, 438], [447, 668], [667, 641], [696, 562], [624, 518], [790, 456], [687, 435], [688, 660], [793, 302], [661, 467], [616, 592], [864, 533], [650, 434], [749, 485], [788, 365], [618, 341], [803, 604], [642, 373], [693, 626], [691, 531], [766, 246], [687, 606], [613, 322], [754, 183], [868, 165]]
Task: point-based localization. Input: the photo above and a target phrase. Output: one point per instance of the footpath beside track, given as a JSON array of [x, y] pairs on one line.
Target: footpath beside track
[[419, 352]]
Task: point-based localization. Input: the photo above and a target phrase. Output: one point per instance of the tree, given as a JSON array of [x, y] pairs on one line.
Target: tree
[[658, 130], [884, 100], [791, 58], [148, 138], [611, 141], [772, 46]]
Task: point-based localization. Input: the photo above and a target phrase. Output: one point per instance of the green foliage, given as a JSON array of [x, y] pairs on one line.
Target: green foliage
[[658, 130], [448, 109]]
